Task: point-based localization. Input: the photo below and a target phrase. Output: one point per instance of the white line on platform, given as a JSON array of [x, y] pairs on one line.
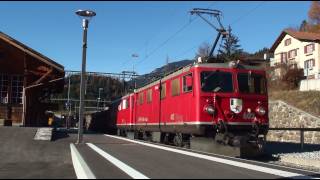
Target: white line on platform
[[80, 166], [125, 168], [224, 161]]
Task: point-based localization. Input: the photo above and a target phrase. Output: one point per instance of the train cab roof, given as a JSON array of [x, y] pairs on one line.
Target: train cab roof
[[232, 64]]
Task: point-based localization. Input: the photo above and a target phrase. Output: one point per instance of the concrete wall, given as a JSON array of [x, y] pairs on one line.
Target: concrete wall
[[284, 115], [311, 84]]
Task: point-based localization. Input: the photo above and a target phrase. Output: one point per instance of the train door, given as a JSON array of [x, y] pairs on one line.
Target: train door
[[156, 108], [132, 107], [187, 98]]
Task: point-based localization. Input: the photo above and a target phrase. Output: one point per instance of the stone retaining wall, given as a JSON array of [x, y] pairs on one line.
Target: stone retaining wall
[[282, 115]]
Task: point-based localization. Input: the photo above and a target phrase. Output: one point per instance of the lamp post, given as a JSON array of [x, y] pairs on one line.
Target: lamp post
[[86, 15], [98, 103]]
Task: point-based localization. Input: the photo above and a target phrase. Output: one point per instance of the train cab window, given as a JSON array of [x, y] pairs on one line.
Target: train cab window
[[175, 87], [216, 81], [125, 104], [163, 90], [187, 83], [149, 96], [140, 98], [252, 83], [119, 107]]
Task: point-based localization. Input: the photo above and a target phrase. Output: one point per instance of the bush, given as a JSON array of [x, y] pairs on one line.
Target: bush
[[293, 77]]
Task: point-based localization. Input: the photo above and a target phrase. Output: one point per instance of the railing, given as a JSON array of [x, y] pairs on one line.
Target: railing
[[302, 130]]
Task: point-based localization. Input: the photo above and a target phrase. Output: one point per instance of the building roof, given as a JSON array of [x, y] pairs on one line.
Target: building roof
[[302, 36], [30, 51]]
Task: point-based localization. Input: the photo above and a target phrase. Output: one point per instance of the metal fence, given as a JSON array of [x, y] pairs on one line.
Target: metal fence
[[302, 130]]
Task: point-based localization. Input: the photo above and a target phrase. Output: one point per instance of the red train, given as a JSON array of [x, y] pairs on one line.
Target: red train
[[225, 103]]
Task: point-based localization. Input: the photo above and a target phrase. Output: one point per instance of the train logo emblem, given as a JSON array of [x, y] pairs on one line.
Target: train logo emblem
[[235, 105]]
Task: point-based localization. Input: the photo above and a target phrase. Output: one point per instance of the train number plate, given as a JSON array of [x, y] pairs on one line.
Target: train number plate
[[248, 115]]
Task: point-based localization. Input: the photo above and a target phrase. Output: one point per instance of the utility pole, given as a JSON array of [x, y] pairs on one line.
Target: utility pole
[[98, 103], [69, 105], [134, 73]]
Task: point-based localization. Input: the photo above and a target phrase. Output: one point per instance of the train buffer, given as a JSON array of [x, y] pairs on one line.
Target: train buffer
[[106, 156]]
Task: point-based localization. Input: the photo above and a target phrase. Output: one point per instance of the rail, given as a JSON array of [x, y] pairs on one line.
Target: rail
[[302, 130]]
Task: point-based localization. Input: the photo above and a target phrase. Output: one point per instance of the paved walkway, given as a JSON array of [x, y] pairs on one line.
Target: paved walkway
[[21, 157]]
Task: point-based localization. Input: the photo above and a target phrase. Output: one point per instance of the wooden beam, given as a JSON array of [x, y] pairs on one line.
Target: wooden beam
[[43, 77], [31, 52]]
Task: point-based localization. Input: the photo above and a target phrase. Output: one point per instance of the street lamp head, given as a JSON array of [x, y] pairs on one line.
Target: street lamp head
[[87, 14]]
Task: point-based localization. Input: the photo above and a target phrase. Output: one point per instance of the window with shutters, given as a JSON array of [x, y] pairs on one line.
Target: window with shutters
[[283, 57], [175, 87], [292, 54], [309, 64], [149, 96], [308, 49], [287, 42], [163, 90]]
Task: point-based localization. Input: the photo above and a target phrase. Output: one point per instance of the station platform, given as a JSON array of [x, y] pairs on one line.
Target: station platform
[[106, 156]]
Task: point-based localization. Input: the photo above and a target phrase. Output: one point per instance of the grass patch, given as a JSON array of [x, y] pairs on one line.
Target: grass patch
[[308, 101]]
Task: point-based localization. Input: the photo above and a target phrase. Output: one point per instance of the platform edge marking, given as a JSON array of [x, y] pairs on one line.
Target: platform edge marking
[[80, 166], [223, 161], [124, 167]]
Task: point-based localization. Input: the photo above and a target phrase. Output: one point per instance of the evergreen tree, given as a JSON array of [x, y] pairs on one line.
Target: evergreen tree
[[304, 26], [230, 49]]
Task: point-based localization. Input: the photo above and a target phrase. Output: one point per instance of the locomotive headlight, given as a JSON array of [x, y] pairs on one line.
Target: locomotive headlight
[[209, 109], [261, 111]]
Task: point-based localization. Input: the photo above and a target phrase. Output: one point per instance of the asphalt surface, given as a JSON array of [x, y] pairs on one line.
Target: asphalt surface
[[21, 157], [161, 164]]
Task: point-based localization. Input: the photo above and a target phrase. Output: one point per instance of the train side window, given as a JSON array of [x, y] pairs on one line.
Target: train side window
[[149, 96], [187, 83], [163, 90], [175, 87], [140, 98], [125, 104]]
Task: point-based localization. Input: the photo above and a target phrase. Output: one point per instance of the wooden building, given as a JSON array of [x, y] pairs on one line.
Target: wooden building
[[27, 80]]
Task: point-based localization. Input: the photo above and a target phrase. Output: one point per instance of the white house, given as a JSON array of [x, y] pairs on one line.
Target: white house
[[300, 50]]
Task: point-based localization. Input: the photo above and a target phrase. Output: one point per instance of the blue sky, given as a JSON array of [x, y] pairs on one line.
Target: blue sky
[[123, 28]]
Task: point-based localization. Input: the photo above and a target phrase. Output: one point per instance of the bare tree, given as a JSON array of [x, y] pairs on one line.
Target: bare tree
[[314, 13], [203, 50]]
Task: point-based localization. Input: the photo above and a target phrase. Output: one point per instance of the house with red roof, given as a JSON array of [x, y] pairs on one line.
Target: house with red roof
[[298, 50]]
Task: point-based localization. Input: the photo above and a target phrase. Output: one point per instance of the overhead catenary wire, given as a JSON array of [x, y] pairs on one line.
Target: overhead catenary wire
[[246, 14], [233, 22], [187, 24], [173, 13], [171, 37]]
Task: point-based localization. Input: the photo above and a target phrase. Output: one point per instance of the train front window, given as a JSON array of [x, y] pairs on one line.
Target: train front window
[[252, 83], [216, 81]]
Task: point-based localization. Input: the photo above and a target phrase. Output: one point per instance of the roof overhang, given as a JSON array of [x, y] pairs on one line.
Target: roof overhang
[[31, 52]]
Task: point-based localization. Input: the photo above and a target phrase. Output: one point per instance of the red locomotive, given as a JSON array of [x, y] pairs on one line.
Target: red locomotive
[[203, 104]]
